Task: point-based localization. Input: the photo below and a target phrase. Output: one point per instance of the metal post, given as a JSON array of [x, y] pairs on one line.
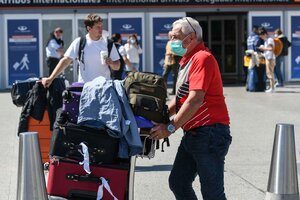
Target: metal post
[[283, 179], [31, 180], [131, 178]]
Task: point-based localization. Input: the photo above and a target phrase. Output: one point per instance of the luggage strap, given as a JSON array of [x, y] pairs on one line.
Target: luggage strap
[[107, 187], [90, 178]]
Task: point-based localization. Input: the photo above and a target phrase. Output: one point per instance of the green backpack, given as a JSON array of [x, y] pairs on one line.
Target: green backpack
[[147, 93]]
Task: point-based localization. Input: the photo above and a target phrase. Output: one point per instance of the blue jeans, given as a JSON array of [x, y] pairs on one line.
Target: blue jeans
[[201, 152], [278, 73], [135, 65]]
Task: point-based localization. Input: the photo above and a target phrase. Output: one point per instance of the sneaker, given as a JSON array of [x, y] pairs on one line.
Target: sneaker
[[270, 90]]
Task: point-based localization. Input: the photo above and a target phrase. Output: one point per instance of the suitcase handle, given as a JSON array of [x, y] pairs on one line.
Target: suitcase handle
[[84, 178]]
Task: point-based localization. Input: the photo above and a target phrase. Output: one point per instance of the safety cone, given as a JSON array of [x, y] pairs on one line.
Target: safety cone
[[31, 180], [283, 179]]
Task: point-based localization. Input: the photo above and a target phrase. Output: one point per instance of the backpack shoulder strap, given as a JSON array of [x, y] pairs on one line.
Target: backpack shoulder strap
[[110, 44], [81, 47]]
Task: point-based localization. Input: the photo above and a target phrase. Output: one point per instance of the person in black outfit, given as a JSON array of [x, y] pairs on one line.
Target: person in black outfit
[[261, 69], [54, 48], [119, 74]]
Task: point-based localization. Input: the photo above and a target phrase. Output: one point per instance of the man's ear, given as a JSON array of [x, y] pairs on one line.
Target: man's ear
[[193, 35]]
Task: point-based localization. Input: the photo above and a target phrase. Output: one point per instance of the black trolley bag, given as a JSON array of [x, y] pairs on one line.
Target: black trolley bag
[[66, 139], [71, 100]]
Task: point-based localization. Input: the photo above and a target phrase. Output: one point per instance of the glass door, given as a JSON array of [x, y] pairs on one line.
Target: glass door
[[49, 23], [222, 39]]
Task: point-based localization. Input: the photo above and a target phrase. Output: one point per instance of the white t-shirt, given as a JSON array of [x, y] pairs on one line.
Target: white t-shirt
[[51, 49], [133, 53], [92, 67], [122, 50], [269, 54]]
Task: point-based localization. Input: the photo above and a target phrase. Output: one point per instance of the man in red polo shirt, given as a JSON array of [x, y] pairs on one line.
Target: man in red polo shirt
[[199, 109]]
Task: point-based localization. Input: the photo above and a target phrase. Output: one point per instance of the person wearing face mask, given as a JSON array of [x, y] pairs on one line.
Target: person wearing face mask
[[133, 51], [199, 108]]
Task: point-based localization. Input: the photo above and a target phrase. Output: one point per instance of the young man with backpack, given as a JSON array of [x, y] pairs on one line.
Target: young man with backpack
[[90, 66], [280, 58]]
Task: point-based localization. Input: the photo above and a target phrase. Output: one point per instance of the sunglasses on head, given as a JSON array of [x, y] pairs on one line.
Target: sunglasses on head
[[190, 24]]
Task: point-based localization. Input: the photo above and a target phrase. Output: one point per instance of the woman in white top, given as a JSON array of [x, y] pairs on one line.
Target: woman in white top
[[269, 55], [133, 51], [54, 48]]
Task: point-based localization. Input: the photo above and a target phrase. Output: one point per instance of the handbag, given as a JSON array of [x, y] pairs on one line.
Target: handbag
[[20, 89]]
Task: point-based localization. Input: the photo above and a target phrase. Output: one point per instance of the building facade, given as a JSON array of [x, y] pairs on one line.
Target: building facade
[[225, 23]]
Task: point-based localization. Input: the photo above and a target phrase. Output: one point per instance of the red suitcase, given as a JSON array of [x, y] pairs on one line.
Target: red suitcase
[[69, 180]]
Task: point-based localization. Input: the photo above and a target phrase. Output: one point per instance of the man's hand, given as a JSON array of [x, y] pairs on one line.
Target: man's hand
[[115, 65], [108, 61], [159, 131], [262, 48], [46, 82]]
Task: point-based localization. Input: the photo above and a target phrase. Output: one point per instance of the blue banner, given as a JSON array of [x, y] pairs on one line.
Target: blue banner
[[23, 49], [295, 49], [126, 27], [161, 28], [270, 23]]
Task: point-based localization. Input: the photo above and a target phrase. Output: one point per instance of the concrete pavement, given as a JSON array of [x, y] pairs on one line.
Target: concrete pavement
[[253, 120]]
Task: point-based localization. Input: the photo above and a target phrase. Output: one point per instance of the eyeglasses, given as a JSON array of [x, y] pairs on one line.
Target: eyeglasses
[[190, 24]]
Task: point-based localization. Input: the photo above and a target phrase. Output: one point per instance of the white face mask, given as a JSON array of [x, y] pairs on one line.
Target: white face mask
[[132, 41], [275, 35]]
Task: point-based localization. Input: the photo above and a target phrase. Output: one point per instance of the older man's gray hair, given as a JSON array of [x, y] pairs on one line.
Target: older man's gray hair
[[189, 25]]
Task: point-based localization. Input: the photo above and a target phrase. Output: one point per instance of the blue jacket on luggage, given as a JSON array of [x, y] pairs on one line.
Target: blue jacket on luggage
[[104, 103]]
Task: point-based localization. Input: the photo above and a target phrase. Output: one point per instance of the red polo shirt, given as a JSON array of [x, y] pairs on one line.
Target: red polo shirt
[[200, 71]]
